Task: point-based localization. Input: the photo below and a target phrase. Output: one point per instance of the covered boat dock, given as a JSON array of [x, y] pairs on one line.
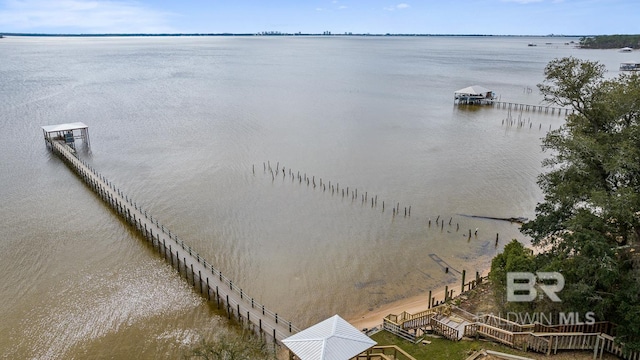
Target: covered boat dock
[[475, 94], [66, 132]]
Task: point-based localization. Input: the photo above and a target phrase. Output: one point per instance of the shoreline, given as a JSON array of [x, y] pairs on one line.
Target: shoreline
[[412, 305]]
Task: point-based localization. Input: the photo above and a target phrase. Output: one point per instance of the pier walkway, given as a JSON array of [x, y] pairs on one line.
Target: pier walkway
[[196, 270], [526, 107]]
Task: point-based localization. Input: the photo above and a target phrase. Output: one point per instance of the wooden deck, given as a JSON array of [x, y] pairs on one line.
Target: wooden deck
[[534, 337], [196, 270]]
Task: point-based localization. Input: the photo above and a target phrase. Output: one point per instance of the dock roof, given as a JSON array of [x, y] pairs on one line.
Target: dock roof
[[64, 127], [473, 90]]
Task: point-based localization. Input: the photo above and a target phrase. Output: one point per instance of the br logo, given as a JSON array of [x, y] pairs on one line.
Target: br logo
[[521, 286]]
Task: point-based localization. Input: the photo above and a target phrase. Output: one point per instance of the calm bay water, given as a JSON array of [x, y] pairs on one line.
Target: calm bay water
[[178, 123]]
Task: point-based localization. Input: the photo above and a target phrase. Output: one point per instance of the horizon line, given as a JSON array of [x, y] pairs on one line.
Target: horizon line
[[277, 33]]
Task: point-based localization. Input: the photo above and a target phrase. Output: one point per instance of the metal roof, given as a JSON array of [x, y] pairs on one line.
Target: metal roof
[[64, 127], [473, 90], [331, 339]]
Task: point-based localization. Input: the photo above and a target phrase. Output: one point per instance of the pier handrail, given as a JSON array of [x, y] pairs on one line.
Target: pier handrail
[[119, 198]]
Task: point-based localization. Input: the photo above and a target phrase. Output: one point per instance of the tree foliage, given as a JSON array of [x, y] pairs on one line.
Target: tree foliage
[[231, 347], [610, 41], [588, 225], [514, 258]]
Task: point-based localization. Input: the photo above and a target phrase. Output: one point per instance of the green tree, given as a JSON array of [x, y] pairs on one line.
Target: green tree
[[231, 347], [514, 258], [610, 41], [589, 222]]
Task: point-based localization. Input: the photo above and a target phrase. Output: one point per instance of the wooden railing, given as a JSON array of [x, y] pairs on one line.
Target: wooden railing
[[604, 327], [535, 337], [573, 341], [400, 324], [413, 321], [538, 344], [607, 343], [505, 324], [390, 352], [444, 330], [397, 330]]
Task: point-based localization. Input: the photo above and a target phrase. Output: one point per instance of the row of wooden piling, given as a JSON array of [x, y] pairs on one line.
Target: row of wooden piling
[[520, 122], [310, 181], [210, 282], [334, 189]]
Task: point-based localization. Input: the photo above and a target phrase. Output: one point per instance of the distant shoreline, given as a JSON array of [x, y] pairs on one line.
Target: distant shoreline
[[281, 34]]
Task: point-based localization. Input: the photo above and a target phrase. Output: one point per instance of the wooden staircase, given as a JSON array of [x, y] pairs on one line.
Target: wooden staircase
[[454, 323]]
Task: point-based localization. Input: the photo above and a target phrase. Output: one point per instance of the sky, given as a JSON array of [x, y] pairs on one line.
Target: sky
[[490, 17]]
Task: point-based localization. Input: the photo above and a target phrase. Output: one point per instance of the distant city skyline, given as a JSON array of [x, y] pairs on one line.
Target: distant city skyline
[[487, 17]]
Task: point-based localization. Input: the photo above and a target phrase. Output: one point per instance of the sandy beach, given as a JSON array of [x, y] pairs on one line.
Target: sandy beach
[[412, 305]]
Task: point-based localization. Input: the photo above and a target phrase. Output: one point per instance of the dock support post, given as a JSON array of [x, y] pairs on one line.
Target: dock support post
[[193, 276]]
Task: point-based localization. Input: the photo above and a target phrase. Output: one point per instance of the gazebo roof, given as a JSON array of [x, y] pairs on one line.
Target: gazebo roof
[[331, 339], [473, 90]]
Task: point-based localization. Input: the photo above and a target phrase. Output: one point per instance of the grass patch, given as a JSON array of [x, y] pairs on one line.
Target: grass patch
[[442, 348]]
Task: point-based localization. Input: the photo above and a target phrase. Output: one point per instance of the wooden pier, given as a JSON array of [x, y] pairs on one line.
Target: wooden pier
[[526, 107], [197, 271]]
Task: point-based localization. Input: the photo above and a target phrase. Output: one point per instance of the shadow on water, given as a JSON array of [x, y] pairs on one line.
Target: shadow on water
[[471, 108]]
